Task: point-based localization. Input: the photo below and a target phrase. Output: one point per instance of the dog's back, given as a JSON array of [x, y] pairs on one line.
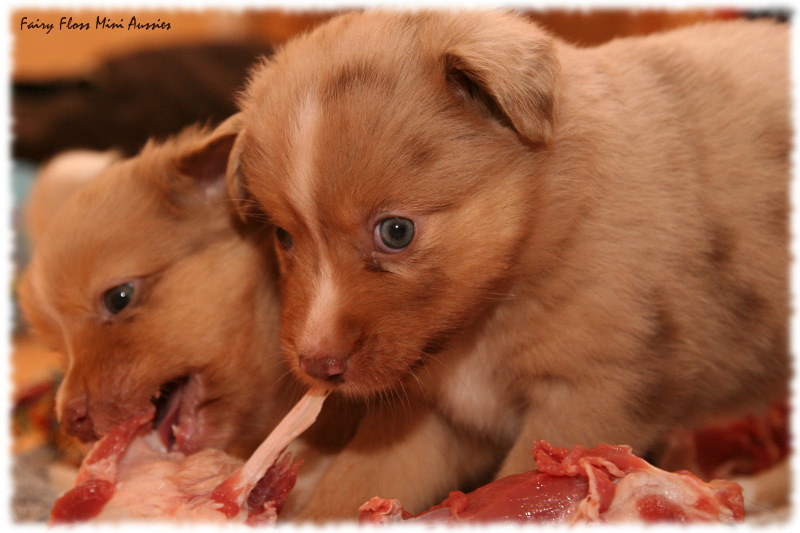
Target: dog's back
[[687, 203]]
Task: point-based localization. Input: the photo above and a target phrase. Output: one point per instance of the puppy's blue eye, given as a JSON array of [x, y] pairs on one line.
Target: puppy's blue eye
[[394, 234], [284, 237], [118, 298]]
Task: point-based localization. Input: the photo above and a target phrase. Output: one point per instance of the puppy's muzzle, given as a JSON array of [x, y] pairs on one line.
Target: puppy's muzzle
[[77, 422], [326, 368]]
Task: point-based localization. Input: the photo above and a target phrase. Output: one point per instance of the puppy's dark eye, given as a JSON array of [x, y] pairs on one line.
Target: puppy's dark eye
[[394, 234], [284, 237], [118, 298]]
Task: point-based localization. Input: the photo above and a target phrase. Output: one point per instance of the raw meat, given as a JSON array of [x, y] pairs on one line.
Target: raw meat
[[727, 449], [601, 484], [128, 475]]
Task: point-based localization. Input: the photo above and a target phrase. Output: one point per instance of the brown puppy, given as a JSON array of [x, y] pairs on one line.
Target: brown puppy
[[148, 283], [521, 239], [129, 281]]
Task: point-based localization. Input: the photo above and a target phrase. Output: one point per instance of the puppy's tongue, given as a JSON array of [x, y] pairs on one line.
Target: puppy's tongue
[[178, 423], [190, 430]]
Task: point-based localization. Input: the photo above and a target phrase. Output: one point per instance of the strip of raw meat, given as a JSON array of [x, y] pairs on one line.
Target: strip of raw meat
[[727, 449], [601, 484], [128, 475]]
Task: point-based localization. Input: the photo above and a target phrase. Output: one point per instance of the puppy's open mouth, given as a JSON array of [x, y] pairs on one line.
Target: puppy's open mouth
[[177, 421]]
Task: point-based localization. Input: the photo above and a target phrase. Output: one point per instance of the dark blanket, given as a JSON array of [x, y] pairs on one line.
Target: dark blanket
[[130, 98]]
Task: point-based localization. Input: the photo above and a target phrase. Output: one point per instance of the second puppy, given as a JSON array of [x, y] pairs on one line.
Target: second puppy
[[145, 280]]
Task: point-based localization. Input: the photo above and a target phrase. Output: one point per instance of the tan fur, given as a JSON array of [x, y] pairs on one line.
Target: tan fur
[[56, 182], [601, 246], [205, 303]]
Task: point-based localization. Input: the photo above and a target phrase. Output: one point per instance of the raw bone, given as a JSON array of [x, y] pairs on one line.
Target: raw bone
[[129, 476]]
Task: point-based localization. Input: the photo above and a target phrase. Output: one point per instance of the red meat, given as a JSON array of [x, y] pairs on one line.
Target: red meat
[[129, 475], [601, 484]]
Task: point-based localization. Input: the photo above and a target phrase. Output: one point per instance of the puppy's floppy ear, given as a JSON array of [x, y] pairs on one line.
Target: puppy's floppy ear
[[206, 164], [237, 189], [506, 68]]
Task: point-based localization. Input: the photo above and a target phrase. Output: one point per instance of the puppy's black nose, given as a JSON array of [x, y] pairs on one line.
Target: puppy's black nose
[[324, 368], [76, 421]]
